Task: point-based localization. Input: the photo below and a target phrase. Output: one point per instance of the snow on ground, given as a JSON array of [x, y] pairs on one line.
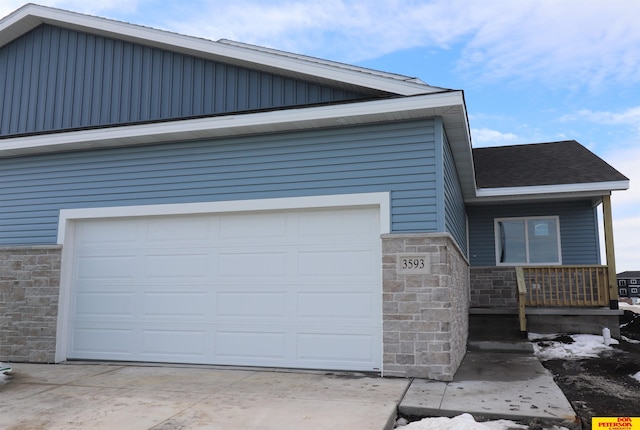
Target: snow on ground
[[546, 348], [583, 346], [627, 307], [465, 422]]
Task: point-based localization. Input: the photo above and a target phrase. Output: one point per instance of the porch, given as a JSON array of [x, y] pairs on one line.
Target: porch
[[550, 298], [507, 301]]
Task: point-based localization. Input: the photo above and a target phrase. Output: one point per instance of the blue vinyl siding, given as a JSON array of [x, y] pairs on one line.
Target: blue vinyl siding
[[578, 230], [55, 79], [393, 157], [455, 217]]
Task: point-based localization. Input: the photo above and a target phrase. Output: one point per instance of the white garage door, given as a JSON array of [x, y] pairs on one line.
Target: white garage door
[[285, 289]]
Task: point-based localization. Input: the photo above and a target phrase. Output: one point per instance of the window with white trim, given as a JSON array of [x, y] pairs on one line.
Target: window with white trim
[[530, 240]]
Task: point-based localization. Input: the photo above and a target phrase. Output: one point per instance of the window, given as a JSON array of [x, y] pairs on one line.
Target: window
[[527, 241]]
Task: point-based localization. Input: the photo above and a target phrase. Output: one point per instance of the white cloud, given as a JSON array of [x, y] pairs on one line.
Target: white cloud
[[626, 232], [568, 43], [557, 43], [487, 137], [571, 42], [625, 206], [626, 227], [630, 117]]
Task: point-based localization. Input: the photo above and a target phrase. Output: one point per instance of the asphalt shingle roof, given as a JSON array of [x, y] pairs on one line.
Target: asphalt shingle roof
[[629, 274], [553, 163]]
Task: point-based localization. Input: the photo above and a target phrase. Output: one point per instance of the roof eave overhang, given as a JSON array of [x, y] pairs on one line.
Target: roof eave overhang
[[30, 16], [547, 192], [448, 105]]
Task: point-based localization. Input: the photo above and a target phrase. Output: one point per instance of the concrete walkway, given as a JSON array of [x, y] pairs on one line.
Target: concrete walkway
[[494, 385], [95, 396], [101, 396]]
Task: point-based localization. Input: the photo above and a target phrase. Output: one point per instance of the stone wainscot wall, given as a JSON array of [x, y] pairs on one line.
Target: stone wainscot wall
[[493, 287], [29, 289], [425, 310], [425, 313]]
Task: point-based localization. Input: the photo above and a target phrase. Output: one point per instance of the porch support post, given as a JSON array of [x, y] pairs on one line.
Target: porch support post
[[611, 255]]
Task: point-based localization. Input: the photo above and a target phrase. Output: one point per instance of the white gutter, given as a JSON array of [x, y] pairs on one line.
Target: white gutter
[[553, 189], [546, 192]]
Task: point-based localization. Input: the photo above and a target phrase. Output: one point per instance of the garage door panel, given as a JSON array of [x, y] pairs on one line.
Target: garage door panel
[[174, 344], [251, 346], [178, 265], [252, 264], [336, 306], [331, 347], [352, 223], [296, 288], [252, 305], [103, 342], [336, 263], [103, 234], [108, 267], [104, 304], [182, 231], [249, 227], [175, 305]]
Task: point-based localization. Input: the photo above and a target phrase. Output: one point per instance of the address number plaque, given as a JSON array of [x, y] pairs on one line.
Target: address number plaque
[[413, 264]]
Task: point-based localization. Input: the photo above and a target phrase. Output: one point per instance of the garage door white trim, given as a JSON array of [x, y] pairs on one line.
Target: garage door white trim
[[70, 218], [342, 200]]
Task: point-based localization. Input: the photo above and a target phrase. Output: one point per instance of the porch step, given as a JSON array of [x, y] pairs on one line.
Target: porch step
[[496, 331]]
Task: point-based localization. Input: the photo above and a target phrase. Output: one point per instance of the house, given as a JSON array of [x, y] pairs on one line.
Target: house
[[629, 284], [171, 199]]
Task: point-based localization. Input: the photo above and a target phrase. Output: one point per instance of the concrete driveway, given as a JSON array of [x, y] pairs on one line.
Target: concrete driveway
[[104, 396]]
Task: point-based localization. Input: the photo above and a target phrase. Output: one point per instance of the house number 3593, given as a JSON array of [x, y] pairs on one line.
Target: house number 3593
[[412, 263]]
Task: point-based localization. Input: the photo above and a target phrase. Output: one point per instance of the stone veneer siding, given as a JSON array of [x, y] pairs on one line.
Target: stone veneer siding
[[29, 289], [425, 316], [493, 287]]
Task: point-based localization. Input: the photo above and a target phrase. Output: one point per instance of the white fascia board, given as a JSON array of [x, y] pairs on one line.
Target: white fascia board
[[381, 200], [29, 16], [598, 187], [408, 108]]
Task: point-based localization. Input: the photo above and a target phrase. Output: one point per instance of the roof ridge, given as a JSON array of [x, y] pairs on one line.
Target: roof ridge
[[319, 60]]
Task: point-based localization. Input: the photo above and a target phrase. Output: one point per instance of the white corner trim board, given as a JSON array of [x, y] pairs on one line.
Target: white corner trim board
[[341, 200]]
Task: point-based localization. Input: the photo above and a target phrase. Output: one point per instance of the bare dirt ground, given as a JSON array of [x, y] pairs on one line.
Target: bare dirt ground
[[603, 387]]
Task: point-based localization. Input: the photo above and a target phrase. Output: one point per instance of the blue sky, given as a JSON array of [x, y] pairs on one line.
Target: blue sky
[[532, 70]]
